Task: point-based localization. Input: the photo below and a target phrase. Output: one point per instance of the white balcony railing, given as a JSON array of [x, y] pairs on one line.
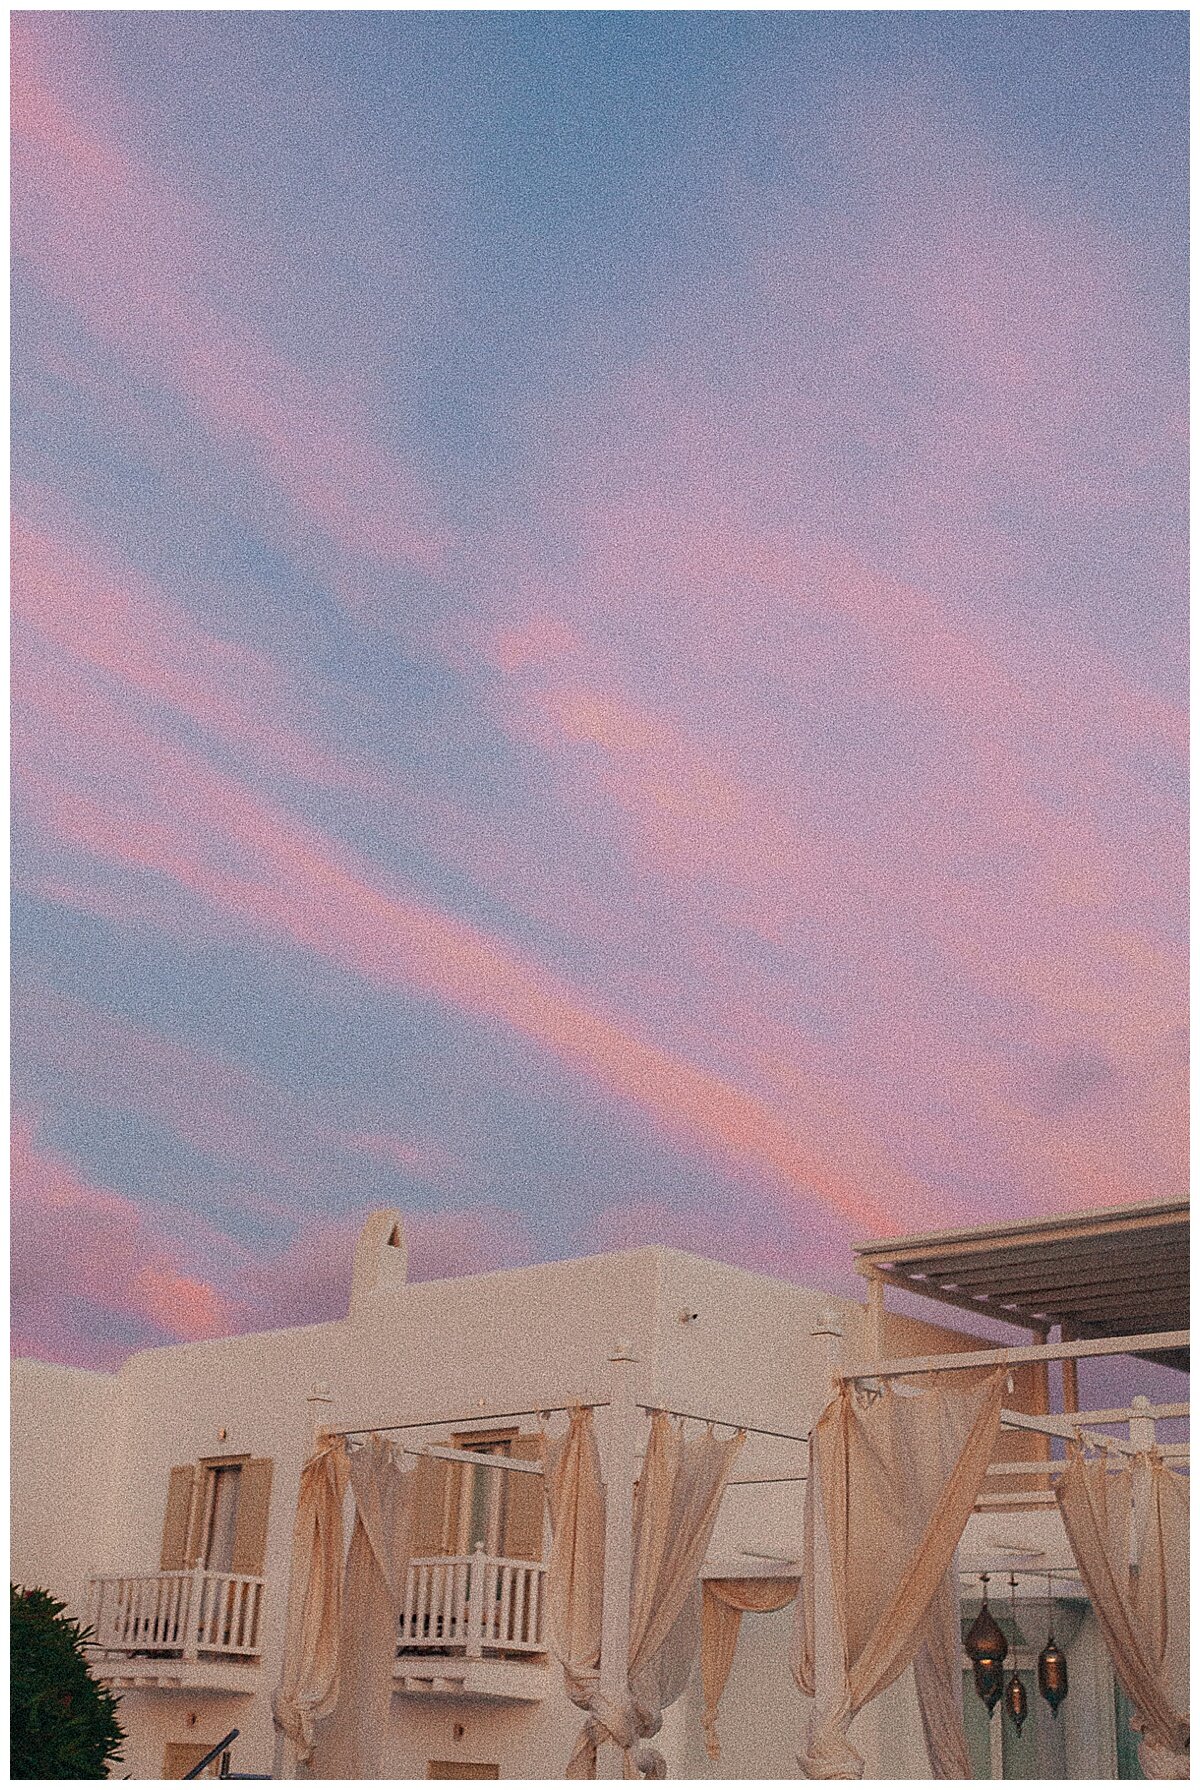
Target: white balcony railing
[[473, 1604], [188, 1614]]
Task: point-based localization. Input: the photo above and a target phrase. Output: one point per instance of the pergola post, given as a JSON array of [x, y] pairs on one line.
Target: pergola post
[[1070, 1373], [828, 1661], [873, 1340], [318, 1400], [618, 1547], [1142, 1429]]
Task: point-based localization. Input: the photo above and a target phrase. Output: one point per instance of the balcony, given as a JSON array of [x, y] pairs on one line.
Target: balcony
[[472, 1625], [190, 1630]]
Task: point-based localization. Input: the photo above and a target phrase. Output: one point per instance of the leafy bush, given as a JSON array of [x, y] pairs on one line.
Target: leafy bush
[[64, 1724]]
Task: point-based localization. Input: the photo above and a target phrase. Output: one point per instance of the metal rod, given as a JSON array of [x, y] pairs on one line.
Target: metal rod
[[469, 1457], [428, 1423], [724, 1422], [993, 1500], [1154, 1342], [776, 1479]]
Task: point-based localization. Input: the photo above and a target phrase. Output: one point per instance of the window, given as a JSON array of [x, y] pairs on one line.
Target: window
[[222, 1494], [216, 1516], [459, 1506], [460, 1768], [179, 1756], [479, 1497]]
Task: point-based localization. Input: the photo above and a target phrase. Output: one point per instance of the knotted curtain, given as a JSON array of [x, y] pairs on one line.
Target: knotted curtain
[[575, 1569], [894, 1475], [349, 1741], [308, 1685], [675, 1506], [724, 1600], [1129, 1533]]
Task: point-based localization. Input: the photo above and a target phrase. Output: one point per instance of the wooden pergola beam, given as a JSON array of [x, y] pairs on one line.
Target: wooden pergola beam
[[1061, 1351], [1081, 1230], [1069, 1276]]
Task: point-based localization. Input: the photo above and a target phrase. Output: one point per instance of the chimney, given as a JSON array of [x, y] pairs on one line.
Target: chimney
[[380, 1261]]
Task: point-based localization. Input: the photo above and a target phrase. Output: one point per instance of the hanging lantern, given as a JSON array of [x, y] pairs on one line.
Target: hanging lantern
[[1052, 1673], [985, 1638], [1052, 1661], [989, 1680], [1016, 1702]]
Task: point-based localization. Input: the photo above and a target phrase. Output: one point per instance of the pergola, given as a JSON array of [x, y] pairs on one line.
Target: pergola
[[1095, 1276], [1112, 1282]]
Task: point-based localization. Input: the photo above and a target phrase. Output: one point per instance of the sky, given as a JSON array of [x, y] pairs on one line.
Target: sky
[[599, 643]]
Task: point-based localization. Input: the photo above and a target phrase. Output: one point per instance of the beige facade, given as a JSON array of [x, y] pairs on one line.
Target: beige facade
[[187, 1461]]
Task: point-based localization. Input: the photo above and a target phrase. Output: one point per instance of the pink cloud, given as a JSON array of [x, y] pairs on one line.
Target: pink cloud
[[308, 1282], [1013, 829], [541, 640], [221, 1108], [167, 813], [792, 1252], [104, 234], [86, 1261], [786, 685], [109, 618], [82, 1254]]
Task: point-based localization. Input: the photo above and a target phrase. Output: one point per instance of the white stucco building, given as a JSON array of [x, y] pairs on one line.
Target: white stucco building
[[159, 1499]]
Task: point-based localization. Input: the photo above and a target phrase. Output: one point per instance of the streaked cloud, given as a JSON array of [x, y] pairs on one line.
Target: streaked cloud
[[701, 669]]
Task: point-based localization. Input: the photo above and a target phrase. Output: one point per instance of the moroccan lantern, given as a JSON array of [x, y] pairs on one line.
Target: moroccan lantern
[[1016, 1702], [1052, 1674], [1052, 1661], [989, 1680], [986, 1647], [985, 1638]]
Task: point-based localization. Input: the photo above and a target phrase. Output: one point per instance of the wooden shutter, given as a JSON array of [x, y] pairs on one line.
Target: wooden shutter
[[254, 1503], [178, 1520], [431, 1493], [526, 1503]]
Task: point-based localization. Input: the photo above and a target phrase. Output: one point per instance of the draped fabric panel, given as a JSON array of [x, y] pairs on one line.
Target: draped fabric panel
[[937, 1674], [675, 1506], [575, 1570], [349, 1741], [1129, 1533], [894, 1477], [308, 1687], [723, 1602]]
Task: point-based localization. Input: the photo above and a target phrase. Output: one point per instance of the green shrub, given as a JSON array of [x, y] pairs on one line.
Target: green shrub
[[64, 1724]]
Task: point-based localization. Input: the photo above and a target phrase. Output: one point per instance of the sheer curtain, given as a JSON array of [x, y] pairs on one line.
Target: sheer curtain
[[308, 1686], [575, 1568], [675, 1506], [349, 1740], [1129, 1532], [894, 1476], [724, 1600]]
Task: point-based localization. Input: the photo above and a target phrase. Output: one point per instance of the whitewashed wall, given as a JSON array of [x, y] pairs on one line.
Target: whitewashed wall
[[92, 1453]]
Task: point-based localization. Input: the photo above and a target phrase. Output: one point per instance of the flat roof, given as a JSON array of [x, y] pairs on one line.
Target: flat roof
[[1121, 1271]]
